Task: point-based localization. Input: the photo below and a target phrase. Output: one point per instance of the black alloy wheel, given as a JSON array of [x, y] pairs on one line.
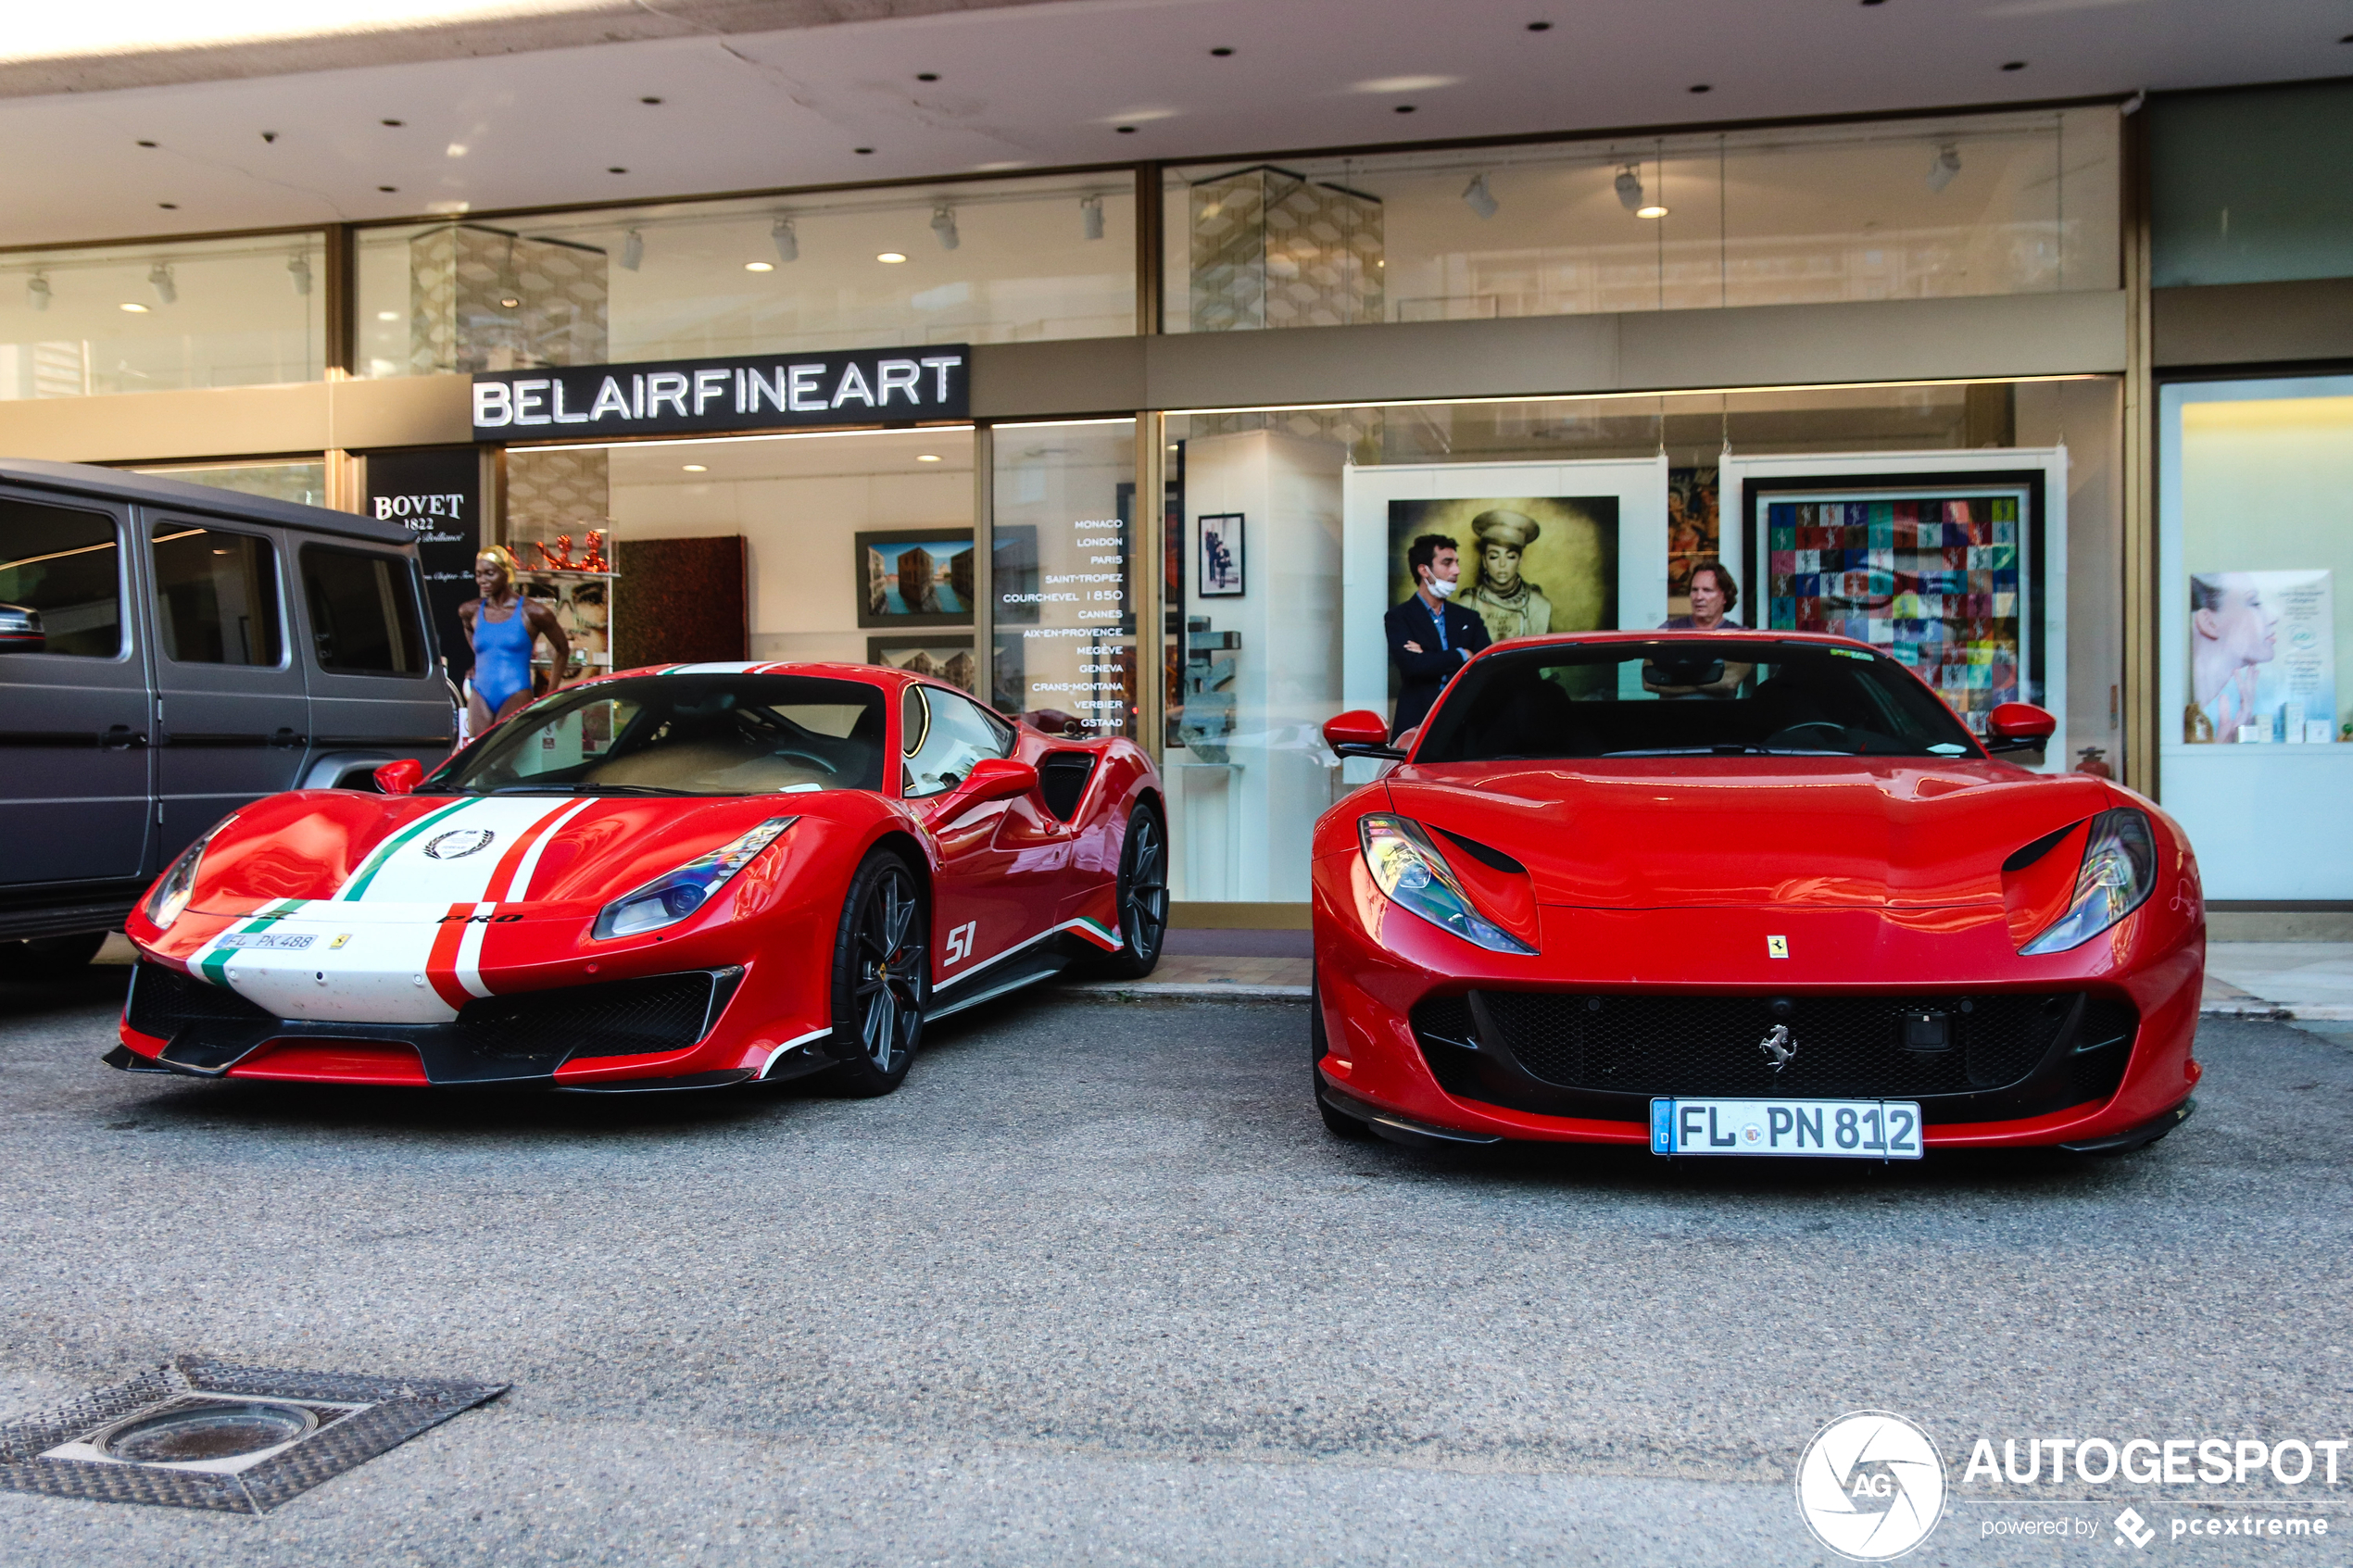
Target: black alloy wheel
[[1143, 898], [881, 976]]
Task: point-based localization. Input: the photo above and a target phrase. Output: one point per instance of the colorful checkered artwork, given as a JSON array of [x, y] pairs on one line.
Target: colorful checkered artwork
[[1933, 581]]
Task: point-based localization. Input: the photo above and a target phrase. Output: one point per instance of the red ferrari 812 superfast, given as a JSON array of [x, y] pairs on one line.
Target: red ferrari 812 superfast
[[679, 878], [1750, 894]]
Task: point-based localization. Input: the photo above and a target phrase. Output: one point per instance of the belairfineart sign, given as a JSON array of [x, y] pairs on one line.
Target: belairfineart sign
[[756, 392]]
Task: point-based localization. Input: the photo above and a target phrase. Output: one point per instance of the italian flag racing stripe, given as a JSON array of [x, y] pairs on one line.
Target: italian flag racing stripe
[[1101, 935], [214, 964], [358, 887]]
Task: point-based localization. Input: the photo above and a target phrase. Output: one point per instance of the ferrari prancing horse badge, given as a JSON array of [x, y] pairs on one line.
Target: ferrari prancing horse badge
[[1777, 946]]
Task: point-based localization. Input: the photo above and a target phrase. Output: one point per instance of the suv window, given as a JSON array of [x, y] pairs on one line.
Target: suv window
[[363, 611], [216, 596], [943, 736], [65, 566]]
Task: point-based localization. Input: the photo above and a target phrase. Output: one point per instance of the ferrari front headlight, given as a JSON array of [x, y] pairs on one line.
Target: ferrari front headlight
[[1408, 869], [170, 900], [2118, 874], [668, 899]]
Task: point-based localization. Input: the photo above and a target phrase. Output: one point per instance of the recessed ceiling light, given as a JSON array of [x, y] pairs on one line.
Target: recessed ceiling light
[[890, 257], [926, 76], [2014, 64], [168, 207], [1547, 27], [1405, 108], [862, 152], [388, 189], [760, 267], [1221, 51], [395, 124], [1703, 87], [146, 144], [649, 100], [698, 467], [134, 307], [616, 169], [387, 315], [1654, 211], [508, 301], [1126, 131], [927, 457]]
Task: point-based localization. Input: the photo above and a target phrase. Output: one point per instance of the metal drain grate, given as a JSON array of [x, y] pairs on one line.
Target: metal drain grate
[[200, 1433]]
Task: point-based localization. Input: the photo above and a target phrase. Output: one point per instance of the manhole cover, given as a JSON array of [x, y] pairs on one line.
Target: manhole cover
[[197, 1434]]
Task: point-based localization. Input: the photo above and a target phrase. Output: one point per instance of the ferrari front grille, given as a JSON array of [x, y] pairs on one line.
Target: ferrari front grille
[[1644, 1043], [668, 1012], [164, 1001]]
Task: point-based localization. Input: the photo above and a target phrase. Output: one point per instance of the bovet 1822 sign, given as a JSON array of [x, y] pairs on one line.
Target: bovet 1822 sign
[[756, 392]]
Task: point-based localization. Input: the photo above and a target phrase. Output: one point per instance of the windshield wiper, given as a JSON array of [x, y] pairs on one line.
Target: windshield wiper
[[585, 789]]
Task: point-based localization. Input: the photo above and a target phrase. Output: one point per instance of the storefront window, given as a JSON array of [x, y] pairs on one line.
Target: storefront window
[[1575, 514], [2255, 538], [2249, 187], [986, 262], [1913, 210], [855, 548], [162, 317], [1061, 600], [302, 479]]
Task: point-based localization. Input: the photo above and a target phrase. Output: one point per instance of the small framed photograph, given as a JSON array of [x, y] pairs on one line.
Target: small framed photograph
[[915, 577], [1218, 561], [942, 659]]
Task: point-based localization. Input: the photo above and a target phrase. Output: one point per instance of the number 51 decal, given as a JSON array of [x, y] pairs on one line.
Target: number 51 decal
[[960, 943]]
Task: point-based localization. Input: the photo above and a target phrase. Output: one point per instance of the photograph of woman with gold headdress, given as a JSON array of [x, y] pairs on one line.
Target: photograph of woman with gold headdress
[[1530, 564]]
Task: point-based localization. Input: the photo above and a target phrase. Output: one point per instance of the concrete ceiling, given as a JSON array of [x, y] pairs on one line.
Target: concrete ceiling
[[548, 107]]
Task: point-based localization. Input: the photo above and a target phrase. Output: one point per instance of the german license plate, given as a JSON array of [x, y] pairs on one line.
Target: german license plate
[[1849, 1129]]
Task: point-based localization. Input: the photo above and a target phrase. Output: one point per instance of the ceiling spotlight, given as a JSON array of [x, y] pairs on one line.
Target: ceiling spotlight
[[632, 251], [1090, 217], [1480, 199], [1947, 167], [508, 301], [160, 278], [1653, 210], [927, 457], [1629, 188], [890, 257], [36, 291], [943, 223], [387, 315], [782, 235], [760, 267], [134, 307], [299, 269], [698, 467]]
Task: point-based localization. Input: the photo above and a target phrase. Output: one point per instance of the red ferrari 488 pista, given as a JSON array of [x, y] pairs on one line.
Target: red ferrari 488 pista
[[1744, 893], [677, 878]]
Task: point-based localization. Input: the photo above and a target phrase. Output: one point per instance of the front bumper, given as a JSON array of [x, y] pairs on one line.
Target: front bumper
[[654, 1032], [1570, 1045]]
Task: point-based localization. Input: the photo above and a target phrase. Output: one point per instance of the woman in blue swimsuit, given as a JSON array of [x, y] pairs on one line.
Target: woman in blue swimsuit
[[503, 625]]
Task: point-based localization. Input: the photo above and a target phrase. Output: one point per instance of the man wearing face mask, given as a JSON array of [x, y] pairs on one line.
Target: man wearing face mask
[[1428, 638]]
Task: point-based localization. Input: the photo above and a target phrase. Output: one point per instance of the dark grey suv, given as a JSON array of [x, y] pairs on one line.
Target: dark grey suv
[[169, 652]]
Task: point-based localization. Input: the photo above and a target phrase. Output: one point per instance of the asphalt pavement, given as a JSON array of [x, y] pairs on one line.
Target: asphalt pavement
[[1096, 1287]]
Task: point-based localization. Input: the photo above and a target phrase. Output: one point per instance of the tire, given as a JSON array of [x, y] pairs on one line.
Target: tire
[[1339, 1124], [48, 958], [1142, 897], [881, 976]]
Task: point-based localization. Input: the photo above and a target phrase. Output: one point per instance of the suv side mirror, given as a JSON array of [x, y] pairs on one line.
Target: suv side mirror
[[401, 777], [1361, 734], [2018, 726]]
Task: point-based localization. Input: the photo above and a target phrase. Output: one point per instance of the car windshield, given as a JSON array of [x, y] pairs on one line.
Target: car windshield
[[1690, 697], [681, 735]]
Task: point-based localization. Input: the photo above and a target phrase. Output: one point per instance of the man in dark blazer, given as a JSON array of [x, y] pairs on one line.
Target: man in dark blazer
[[1428, 638]]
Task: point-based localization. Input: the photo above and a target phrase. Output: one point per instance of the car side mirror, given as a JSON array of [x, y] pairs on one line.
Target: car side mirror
[[1359, 734], [994, 778], [401, 777], [2018, 726]]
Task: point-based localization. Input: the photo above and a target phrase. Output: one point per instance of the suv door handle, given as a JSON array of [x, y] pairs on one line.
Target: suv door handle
[[120, 737], [286, 736]]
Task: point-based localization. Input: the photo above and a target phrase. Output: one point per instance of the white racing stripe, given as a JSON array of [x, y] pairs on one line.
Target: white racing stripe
[[451, 859]]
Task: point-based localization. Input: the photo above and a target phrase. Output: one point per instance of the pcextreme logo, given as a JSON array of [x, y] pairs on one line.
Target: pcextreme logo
[[1870, 1486]]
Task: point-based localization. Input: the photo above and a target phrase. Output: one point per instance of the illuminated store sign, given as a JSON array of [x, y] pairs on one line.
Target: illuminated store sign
[[696, 397]]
